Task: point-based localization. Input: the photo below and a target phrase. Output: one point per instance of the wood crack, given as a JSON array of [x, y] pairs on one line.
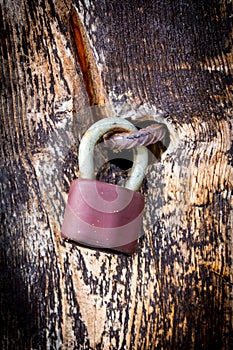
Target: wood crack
[[91, 75]]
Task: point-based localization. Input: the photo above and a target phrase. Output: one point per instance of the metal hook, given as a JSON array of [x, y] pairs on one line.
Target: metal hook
[[91, 137]]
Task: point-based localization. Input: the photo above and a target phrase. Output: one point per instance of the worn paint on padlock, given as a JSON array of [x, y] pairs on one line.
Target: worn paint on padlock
[[103, 215]]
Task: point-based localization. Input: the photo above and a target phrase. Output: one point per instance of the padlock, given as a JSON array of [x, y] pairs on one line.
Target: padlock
[[104, 215]]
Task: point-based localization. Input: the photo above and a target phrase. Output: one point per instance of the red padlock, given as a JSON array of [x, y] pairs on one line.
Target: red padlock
[[99, 214]]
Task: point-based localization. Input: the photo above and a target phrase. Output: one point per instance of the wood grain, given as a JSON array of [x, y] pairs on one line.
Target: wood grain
[[176, 291]]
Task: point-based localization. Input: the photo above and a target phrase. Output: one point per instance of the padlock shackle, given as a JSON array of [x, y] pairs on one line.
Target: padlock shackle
[[91, 137]]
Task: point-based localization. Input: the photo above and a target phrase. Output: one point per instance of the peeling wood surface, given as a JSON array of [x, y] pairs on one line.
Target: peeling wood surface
[[174, 58]]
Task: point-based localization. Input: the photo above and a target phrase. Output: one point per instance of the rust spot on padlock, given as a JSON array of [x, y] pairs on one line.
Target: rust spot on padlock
[[103, 215]]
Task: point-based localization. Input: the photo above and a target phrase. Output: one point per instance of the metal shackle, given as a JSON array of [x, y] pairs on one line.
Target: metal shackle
[[91, 137]]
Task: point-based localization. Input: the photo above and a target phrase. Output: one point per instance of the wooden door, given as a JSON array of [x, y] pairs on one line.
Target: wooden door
[[166, 59]]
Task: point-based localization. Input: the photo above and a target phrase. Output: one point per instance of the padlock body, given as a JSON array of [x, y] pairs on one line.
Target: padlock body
[[103, 215]]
